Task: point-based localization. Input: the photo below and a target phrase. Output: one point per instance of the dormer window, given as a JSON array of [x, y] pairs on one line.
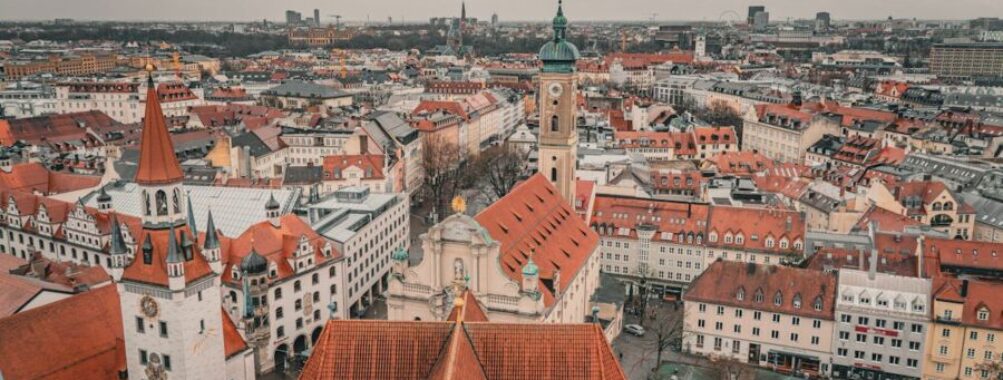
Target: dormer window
[[712, 237], [741, 294], [769, 242], [728, 238], [797, 301], [784, 243], [983, 314], [778, 299], [759, 296], [739, 239], [818, 303]]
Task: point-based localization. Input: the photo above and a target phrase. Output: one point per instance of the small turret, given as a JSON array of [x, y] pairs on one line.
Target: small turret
[[117, 249], [175, 262], [191, 217], [210, 245], [104, 200], [531, 278], [272, 209], [400, 258]]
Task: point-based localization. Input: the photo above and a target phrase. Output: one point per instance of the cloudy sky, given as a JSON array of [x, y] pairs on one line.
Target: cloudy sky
[[417, 10]]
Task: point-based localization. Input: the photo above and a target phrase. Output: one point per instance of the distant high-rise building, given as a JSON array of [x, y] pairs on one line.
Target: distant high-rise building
[[760, 21], [316, 16], [463, 13], [753, 9], [494, 19], [293, 17], [967, 60], [822, 21]]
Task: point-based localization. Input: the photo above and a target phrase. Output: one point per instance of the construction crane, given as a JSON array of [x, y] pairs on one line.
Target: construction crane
[[337, 20]]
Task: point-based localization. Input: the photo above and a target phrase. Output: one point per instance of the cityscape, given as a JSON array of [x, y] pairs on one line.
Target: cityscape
[[558, 192]]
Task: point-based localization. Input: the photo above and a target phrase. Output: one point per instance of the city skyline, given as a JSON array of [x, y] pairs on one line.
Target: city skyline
[[519, 10]]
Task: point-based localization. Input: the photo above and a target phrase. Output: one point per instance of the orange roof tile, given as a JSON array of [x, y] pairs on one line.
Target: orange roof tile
[[975, 295], [534, 219], [955, 255], [154, 271], [76, 338], [157, 163], [32, 177], [723, 281], [371, 349], [770, 223], [275, 244], [371, 165], [469, 311], [233, 343]]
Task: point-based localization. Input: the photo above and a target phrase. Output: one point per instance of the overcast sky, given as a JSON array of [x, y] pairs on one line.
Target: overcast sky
[[420, 10]]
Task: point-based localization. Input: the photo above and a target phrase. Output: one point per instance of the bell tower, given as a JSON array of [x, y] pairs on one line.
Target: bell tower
[[557, 95]]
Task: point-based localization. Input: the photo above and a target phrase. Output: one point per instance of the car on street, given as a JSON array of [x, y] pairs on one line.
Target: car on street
[[634, 329]]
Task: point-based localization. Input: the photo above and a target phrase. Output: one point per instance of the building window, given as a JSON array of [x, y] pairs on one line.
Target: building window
[[143, 357], [140, 326], [163, 329]]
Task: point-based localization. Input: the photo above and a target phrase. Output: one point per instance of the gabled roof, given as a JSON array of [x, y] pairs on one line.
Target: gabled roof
[[371, 349], [34, 176], [233, 343], [534, 219], [157, 163], [721, 281]]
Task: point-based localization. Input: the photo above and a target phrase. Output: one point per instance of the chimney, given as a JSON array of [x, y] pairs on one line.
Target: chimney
[[860, 265], [363, 144], [919, 256], [964, 288], [872, 271]]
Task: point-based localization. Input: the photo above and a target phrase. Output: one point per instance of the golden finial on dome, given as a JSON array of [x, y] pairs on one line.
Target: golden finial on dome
[[149, 67], [459, 205]]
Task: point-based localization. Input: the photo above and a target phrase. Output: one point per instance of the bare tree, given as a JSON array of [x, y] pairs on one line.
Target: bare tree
[[732, 369], [497, 170], [667, 327], [442, 163], [992, 368]]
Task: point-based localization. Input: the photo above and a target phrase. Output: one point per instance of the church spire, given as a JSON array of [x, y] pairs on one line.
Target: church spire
[[157, 163], [191, 217]]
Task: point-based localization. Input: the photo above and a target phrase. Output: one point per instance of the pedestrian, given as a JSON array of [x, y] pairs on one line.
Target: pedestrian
[[621, 355]]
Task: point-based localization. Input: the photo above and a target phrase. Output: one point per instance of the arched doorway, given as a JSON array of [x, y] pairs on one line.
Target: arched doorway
[[280, 358], [299, 345], [315, 335]]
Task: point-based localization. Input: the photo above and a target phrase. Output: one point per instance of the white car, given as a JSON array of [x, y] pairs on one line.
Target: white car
[[634, 329]]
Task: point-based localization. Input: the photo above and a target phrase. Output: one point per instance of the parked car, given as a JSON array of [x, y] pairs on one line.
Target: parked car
[[634, 329]]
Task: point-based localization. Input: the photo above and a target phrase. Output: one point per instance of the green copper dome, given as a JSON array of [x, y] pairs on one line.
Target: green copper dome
[[559, 55], [530, 269], [400, 254]]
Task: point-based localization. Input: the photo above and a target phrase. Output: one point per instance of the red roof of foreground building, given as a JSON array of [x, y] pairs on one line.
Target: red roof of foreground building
[[620, 216], [277, 244], [739, 163], [370, 349], [965, 254], [157, 163], [534, 219], [370, 164], [76, 338], [756, 286]]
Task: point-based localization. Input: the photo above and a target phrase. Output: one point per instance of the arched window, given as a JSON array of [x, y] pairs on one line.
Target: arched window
[[177, 200], [741, 294], [146, 203], [554, 125], [553, 174], [161, 203], [818, 303], [778, 299], [948, 206], [759, 295], [936, 206], [797, 301]]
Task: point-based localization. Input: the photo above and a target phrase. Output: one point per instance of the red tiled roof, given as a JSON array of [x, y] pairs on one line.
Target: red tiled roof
[[831, 258], [723, 281], [233, 343], [715, 135], [371, 349], [41, 129], [275, 244], [174, 92], [778, 224], [469, 311], [965, 253], [32, 177], [534, 219], [155, 272], [978, 295], [76, 338], [370, 164], [740, 163], [887, 221], [157, 162], [621, 216]]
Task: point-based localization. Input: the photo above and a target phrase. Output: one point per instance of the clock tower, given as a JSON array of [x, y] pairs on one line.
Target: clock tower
[[169, 289], [558, 148]]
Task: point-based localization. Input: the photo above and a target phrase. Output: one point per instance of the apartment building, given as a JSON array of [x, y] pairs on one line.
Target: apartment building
[[881, 324], [783, 132], [772, 316], [966, 335], [366, 228], [967, 59], [78, 64]]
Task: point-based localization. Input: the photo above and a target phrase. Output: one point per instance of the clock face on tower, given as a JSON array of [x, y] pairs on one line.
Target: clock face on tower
[[149, 306], [555, 90]]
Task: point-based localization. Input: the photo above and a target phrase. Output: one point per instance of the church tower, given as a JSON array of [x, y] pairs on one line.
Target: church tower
[[170, 294], [557, 94]]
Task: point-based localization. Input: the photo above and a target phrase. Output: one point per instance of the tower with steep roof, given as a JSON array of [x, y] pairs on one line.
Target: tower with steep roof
[[557, 95], [170, 291]]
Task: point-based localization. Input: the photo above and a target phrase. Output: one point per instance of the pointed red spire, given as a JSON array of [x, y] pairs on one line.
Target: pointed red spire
[[157, 163]]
